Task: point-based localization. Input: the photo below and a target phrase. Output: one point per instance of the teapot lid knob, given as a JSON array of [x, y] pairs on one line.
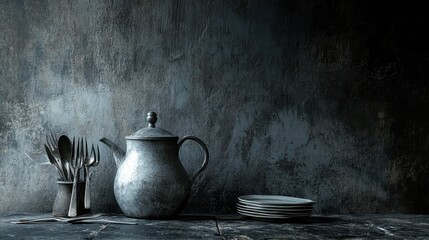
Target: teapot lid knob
[[151, 119]]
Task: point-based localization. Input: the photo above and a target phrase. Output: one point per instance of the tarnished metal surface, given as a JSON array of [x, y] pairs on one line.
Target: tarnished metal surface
[[63, 197], [151, 182]]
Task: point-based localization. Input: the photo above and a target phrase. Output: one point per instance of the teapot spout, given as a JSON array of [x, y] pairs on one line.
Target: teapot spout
[[118, 153]]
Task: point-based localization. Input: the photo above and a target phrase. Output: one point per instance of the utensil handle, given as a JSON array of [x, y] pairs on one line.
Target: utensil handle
[[101, 221], [206, 158], [73, 200], [87, 190], [24, 221]]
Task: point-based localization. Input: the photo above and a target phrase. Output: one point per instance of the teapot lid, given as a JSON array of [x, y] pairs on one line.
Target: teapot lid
[[151, 132]]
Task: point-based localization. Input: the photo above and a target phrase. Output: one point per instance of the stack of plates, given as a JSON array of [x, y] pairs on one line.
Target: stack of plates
[[274, 206]]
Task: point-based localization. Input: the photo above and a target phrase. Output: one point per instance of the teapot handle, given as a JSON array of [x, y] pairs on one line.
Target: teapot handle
[[206, 158]]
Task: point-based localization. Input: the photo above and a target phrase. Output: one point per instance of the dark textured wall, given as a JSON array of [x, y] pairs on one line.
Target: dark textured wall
[[326, 100]]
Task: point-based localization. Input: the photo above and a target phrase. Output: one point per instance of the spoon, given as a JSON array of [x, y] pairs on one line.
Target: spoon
[[64, 147]]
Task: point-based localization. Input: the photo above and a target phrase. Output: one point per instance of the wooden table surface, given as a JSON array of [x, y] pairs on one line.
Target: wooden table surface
[[224, 227]]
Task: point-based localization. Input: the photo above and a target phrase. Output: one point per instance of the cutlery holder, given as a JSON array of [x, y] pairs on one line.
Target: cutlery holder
[[62, 199]]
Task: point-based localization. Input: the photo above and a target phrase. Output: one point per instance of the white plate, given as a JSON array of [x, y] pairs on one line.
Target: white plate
[[275, 200], [250, 207], [269, 216], [262, 211], [286, 209], [306, 206]]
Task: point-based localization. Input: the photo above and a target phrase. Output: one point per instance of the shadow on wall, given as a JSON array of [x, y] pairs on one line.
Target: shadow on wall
[[383, 96]]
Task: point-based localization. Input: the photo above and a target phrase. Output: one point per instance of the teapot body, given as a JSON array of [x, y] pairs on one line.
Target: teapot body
[[151, 181]]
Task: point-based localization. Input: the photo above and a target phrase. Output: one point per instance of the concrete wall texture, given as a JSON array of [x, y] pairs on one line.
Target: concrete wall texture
[[326, 100]]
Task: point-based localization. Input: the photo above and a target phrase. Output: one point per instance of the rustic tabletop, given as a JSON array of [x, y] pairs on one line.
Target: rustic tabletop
[[221, 227]]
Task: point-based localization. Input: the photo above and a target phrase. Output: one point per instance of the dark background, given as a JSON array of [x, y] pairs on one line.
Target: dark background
[[321, 99]]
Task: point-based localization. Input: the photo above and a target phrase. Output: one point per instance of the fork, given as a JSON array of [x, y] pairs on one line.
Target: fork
[[90, 161], [76, 163], [56, 219], [52, 143]]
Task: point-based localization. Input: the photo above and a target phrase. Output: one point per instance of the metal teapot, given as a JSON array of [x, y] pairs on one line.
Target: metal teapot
[[151, 182]]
